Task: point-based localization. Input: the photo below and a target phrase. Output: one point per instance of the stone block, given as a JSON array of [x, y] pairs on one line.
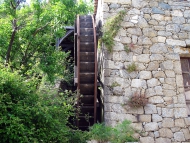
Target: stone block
[[158, 90], [125, 24], [187, 121], [167, 65], [145, 118], [125, 40], [164, 6], [165, 132], [172, 56], [167, 123], [149, 32], [179, 80], [167, 112], [157, 17], [158, 48], [118, 1], [136, 83], [158, 74], [134, 31], [163, 140], [177, 67], [145, 75], [150, 92], [150, 109], [139, 3], [142, 22], [179, 136], [176, 42], [179, 123], [147, 140], [173, 28], [164, 33], [133, 11], [187, 13], [153, 66], [170, 81], [152, 126], [143, 58], [161, 39], [177, 13], [156, 99], [156, 10], [153, 82], [180, 112], [178, 20], [153, 22], [137, 126], [156, 118], [185, 27], [186, 134], [156, 57], [170, 73], [146, 41]]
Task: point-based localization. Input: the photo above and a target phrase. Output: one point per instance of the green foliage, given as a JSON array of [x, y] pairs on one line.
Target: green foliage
[[28, 34], [114, 84], [127, 49], [28, 116], [132, 67], [110, 29], [121, 133]]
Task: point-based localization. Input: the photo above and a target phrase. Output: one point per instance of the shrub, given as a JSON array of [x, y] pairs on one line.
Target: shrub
[[132, 67], [26, 116], [121, 133], [137, 100]]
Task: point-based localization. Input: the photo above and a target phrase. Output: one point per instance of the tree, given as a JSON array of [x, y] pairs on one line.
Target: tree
[[28, 33]]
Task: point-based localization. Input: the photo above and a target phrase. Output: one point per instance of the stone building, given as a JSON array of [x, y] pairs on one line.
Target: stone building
[[158, 34]]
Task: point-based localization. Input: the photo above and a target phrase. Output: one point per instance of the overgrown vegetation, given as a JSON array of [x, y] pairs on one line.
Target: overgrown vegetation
[[121, 133], [28, 116], [137, 100], [114, 84], [131, 67], [110, 29]]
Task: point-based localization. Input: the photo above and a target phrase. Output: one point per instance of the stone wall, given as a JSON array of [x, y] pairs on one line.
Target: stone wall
[[157, 32]]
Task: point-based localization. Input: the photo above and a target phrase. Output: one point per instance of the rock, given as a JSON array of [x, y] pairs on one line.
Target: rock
[[165, 132], [170, 81], [139, 3], [161, 39], [145, 118], [158, 90], [125, 40], [167, 123], [187, 42], [156, 10], [178, 20], [156, 99], [179, 80], [153, 66], [146, 139], [142, 22], [153, 22], [185, 27], [179, 123], [105, 7], [177, 13], [173, 28], [135, 31], [158, 48], [127, 24], [186, 134], [149, 32], [134, 11], [114, 5], [153, 82], [146, 41], [134, 39], [180, 112], [145, 75], [170, 73], [179, 136], [187, 121], [163, 140], [156, 118], [119, 1], [150, 92], [156, 57], [152, 126], [167, 112], [166, 65], [136, 83], [164, 6], [172, 56], [187, 13], [157, 17], [150, 109], [164, 33], [143, 58]]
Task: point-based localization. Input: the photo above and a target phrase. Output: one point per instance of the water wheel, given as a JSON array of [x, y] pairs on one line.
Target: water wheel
[[86, 70]]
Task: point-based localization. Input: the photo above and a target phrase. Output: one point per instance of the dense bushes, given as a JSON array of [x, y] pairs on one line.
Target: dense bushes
[[26, 116]]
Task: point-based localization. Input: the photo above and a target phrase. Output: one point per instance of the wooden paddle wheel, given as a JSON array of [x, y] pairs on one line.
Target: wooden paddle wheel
[[86, 70]]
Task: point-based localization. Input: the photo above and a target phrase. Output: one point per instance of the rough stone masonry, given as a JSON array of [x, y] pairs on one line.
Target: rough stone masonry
[[158, 33]]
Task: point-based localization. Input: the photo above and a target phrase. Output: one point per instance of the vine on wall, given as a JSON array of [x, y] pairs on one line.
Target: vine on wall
[[110, 29]]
